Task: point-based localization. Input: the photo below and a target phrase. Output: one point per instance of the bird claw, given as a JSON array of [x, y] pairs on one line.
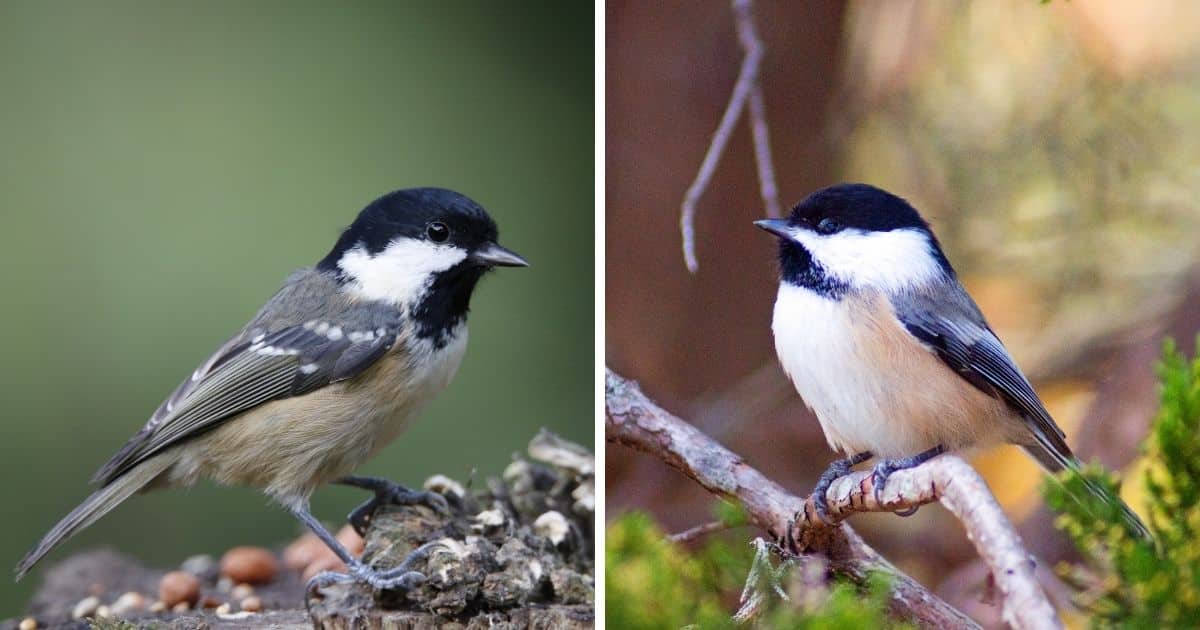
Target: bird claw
[[820, 498], [838, 468], [362, 574], [389, 580], [401, 577], [879, 474], [388, 493], [885, 467]]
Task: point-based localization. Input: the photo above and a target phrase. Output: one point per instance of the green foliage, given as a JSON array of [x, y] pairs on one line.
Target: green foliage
[[1132, 582], [730, 513], [653, 583]]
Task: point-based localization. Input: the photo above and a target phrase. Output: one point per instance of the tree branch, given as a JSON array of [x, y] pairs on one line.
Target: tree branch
[[746, 89], [635, 421]]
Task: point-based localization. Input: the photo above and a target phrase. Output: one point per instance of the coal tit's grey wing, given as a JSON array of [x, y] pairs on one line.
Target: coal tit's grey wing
[[255, 368], [301, 298], [228, 349], [947, 321]]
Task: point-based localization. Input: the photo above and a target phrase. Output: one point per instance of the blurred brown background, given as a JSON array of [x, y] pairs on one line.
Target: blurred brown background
[[1053, 147]]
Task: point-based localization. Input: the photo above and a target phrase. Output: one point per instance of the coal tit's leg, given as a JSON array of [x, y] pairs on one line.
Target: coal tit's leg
[[885, 467], [387, 492], [838, 468], [401, 577]]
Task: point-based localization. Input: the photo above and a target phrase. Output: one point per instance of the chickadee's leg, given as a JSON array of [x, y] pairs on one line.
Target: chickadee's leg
[[399, 577], [839, 468], [387, 492], [885, 467]]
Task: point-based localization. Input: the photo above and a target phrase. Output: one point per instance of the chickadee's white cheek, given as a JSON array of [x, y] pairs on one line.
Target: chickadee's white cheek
[[890, 261], [401, 272]]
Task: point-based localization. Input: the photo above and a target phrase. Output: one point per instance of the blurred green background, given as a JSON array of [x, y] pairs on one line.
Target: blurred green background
[[164, 167]]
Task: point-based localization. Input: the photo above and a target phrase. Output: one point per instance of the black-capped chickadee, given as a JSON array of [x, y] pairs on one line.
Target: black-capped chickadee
[[328, 372], [888, 350]]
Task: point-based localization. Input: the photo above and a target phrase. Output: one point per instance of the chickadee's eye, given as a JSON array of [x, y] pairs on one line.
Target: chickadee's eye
[[828, 226], [437, 232]]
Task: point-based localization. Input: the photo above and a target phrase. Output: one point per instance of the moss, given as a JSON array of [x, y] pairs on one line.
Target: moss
[[651, 582], [1129, 582]]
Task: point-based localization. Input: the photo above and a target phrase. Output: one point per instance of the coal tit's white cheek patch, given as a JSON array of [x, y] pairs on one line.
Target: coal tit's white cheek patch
[[890, 261], [401, 273]]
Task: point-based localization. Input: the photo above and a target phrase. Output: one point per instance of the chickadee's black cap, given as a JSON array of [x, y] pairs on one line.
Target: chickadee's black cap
[[859, 206]]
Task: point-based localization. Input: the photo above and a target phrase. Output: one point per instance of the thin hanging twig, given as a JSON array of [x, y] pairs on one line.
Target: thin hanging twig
[[745, 90]]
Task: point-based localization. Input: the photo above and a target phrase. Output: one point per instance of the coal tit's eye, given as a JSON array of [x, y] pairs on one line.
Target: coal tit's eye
[[437, 232], [828, 226]]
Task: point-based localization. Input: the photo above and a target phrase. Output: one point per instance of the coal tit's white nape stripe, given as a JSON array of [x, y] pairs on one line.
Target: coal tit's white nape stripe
[[889, 261], [400, 273]]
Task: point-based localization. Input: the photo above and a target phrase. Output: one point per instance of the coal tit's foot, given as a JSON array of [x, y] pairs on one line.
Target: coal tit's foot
[[388, 493], [401, 577], [885, 467], [838, 468]]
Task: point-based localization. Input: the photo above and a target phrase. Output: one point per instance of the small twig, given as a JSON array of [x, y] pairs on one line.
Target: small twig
[[746, 89], [635, 421], [762, 153], [692, 533]]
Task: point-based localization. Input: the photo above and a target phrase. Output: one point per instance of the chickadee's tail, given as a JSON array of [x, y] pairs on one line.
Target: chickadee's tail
[[100, 502], [1054, 456]]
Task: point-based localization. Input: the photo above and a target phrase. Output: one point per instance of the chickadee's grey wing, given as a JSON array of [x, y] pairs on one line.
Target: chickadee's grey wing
[[948, 321], [251, 369]]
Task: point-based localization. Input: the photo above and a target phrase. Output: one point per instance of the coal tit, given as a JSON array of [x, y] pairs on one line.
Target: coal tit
[[328, 372]]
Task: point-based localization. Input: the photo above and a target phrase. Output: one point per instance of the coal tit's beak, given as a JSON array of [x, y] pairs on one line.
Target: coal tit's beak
[[493, 255], [778, 227]]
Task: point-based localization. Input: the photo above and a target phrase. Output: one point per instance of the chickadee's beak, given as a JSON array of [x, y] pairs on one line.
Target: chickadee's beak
[[493, 255], [778, 227]]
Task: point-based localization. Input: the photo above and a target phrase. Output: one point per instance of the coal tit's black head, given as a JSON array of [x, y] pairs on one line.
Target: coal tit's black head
[[853, 236], [435, 216], [423, 249]]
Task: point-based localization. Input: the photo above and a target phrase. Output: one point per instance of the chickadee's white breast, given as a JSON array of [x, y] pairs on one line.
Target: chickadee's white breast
[[871, 384]]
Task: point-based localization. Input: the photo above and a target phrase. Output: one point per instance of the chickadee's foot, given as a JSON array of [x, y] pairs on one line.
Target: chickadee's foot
[[388, 493], [838, 468], [885, 467]]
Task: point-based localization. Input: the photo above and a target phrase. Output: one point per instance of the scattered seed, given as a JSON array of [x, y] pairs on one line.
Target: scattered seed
[[224, 609], [128, 603], [179, 587], [252, 604], [323, 563], [350, 540], [85, 608], [303, 551], [251, 565]]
